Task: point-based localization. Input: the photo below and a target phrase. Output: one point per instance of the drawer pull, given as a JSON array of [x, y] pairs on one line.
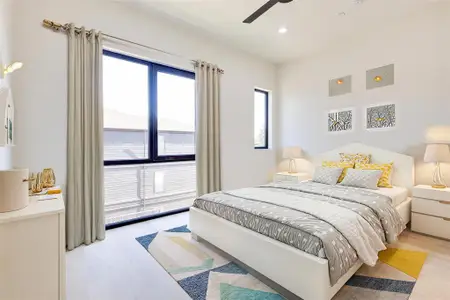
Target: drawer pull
[[446, 219], [445, 202]]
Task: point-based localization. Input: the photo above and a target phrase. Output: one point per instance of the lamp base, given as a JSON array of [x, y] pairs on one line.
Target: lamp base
[[438, 186], [438, 182], [292, 166]]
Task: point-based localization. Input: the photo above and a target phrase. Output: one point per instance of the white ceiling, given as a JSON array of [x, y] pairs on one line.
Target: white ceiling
[[312, 24]]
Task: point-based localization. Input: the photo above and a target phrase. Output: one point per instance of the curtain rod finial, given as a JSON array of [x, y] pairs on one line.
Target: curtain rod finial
[[52, 25]]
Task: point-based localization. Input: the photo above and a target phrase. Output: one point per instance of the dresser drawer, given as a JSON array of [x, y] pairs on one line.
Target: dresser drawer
[[285, 178], [430, 193], [431, 207], [435, 226]]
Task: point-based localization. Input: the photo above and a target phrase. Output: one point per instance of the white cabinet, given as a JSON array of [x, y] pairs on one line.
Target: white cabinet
[[431, 211], [291, 177], [32, 252]]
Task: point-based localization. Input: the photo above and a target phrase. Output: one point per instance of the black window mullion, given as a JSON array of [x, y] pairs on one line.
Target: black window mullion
[[153, 113]]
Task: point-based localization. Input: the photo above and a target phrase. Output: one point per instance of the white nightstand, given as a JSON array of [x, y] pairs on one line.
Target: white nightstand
[[290, 177], [431, 211]]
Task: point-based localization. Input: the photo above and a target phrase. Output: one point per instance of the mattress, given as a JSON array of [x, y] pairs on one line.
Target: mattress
[[397, 194], [315, 218]]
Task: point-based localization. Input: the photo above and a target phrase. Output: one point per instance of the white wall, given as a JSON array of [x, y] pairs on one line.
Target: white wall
[[419, 47], [40, 87], [5, 58]]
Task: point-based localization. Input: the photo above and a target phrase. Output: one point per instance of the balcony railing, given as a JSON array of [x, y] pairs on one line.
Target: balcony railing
[[135, 191]]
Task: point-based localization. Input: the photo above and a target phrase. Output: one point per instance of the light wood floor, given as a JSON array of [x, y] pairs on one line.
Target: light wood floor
[[120, 269]]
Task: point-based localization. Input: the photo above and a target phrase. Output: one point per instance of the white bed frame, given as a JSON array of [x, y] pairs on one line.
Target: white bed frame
[[302, 274]]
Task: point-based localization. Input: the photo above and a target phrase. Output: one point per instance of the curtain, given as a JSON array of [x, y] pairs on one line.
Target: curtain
[[207, 78], [85, 199]]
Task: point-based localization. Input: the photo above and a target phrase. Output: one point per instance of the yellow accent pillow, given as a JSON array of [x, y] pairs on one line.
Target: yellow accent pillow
[[385, 180], [357, 158], [338, 164]]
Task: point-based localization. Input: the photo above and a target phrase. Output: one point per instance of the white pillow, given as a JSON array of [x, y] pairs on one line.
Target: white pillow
[[327, 175], [367, 179]]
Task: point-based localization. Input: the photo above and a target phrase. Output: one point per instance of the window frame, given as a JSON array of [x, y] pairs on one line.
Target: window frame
[[153, 69], [266, 117]]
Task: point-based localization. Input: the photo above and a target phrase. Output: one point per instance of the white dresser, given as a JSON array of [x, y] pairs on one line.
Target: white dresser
[[431, 211], [291, 177], [32, 252]]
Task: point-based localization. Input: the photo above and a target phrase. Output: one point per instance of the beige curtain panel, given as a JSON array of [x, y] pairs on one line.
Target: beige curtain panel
[[85, 199], [207, 78]]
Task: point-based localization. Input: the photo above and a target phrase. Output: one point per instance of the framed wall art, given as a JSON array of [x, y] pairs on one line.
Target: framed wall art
[[381, 117], [341, 120]]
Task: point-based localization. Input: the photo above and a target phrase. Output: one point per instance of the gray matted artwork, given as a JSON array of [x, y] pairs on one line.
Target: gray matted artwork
[[340, 86], [382, 116], [339, 121], [380, 77]]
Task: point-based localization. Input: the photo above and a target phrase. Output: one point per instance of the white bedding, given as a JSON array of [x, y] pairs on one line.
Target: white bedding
[[396, 193]]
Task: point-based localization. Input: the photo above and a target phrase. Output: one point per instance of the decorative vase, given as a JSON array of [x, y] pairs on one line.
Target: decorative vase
[[36, 187], [48, 178]]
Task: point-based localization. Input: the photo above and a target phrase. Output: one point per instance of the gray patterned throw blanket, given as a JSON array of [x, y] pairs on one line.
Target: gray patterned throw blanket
[[338, 223]]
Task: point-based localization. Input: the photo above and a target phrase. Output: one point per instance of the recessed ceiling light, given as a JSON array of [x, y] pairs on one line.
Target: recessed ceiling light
[[282, 30]]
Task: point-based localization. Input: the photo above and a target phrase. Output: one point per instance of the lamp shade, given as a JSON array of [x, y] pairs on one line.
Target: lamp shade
[[438, 135], [437, 153], [292, 152]]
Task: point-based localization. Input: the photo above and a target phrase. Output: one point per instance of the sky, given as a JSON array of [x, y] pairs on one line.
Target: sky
[[126, 91]]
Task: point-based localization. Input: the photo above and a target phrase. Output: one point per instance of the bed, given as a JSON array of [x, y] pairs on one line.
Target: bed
[[310, 267]]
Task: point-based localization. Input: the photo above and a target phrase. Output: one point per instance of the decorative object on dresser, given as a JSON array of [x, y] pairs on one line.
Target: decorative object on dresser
[[291, 177], [32, 254], [13, 190], [431, 211], [437, 153], [292, 153], [36, 184], [48, 178]]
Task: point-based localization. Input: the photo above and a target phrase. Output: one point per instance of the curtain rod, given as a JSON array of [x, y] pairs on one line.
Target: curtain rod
[[63, 28]]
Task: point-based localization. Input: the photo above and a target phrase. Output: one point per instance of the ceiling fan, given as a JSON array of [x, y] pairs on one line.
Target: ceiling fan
[[263, 9]]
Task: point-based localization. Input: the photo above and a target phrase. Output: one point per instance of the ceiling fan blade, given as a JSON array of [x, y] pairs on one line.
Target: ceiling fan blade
[[260, 11]]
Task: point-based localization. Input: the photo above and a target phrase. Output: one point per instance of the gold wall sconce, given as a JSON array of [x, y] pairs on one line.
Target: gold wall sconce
[[5, 70], [340, 81], [378, 78]]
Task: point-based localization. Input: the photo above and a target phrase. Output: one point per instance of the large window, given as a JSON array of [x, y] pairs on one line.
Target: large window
[[261, 129], [149, 111], [149, 145]]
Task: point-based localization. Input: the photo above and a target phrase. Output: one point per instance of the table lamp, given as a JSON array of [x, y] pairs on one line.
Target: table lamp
[[437, 153], [292, 153]]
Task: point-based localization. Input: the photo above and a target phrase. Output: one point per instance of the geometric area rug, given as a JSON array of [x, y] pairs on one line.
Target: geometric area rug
[[206, 275]]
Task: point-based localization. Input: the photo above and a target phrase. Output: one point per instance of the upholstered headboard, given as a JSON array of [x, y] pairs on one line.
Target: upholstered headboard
[[403, 174]]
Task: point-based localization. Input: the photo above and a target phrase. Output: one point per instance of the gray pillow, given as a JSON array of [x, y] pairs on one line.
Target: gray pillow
[[367, 179], [327, 175]]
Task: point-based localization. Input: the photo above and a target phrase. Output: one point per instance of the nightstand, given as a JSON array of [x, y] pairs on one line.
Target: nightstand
[[431, 211], [290, 177]]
